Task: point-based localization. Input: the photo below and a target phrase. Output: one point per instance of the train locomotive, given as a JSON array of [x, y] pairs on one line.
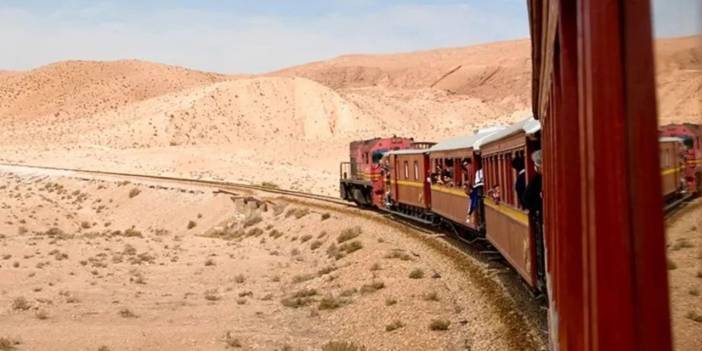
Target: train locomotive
[[432, 183]]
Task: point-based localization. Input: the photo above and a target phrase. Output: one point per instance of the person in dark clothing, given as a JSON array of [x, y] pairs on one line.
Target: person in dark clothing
[[520, 183], [533, 201]]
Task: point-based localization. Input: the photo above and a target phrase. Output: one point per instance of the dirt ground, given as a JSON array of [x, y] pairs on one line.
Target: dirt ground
[[105, 264], [684, 234]]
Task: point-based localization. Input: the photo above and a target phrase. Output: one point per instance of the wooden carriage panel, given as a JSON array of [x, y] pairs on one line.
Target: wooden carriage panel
[[513, 142], [451, 203], [670, 172], [508, 230], [410, 183]]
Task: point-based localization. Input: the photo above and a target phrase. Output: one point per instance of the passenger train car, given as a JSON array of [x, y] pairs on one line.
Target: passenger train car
[[431, 183], [690, 135]]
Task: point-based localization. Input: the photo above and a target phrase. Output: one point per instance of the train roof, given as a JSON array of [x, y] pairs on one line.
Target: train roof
[[670, 139], [407, 152], [527, 126], [464, 142]]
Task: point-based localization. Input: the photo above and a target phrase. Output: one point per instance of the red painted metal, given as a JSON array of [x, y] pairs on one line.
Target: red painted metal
[[603, 215], [692, 135]]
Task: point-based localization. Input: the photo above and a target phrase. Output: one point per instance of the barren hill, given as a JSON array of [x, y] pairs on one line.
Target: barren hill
[[489, 72], [290, 127], [82, 88]]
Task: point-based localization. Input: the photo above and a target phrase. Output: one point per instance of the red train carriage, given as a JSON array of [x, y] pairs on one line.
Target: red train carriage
[[449, 195], [361, 178], [508, 226], [691, 135], [409, 186], [672, 160]]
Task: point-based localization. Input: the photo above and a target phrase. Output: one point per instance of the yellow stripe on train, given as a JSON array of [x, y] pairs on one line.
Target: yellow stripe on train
[[508, 211], [408, 183], [672, 170]]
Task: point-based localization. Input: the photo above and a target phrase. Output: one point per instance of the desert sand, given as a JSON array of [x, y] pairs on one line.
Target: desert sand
[[684, 247], [101, 262]]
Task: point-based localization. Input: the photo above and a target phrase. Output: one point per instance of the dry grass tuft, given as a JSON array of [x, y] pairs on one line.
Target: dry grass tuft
[[431, 296], [239, 279], [682, 244], [192, 224], [330, 302], [439, 324], [302, 278], [394, 326], [372, 287], [305, 238], [127, 313], [376, 267], [299, 299], [399, 254], [342, 346], [297, 212], [7, 344], [42, 315], [390, 301], [694, 291], [315, 245], [212, 295], [416, 274], [326, 270], [20, 304], [231, 341], [694, 316], [671, 265], [134, 192], [252, 219], [348, 234], [326, 216]]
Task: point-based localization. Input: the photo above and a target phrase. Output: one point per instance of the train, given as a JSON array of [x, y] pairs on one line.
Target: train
[[432, 183]]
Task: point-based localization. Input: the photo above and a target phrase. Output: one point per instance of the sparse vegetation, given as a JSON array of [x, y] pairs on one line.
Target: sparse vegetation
[[191, 225], [398, 254], [326, 216], [296, 212], [439, 324], [252, 219], [394, 326], [270, 185], [376, 267], [694, 316], [671, 265], [302, 278], [372, 287], [134, 192], [348, 234], [330, 302], [390, 301], [682, 244], [7, 344], [417, 273], [305, 238], [42, 315], [299, 299], [342, 346], [239, 279], [326, 270], [212, 295], [431, 296], [315, 245], [231, 341], [20, 304], [127, 313], [694, 291]]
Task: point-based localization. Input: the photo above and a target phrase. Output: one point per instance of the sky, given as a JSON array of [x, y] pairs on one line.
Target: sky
[[255, 36]]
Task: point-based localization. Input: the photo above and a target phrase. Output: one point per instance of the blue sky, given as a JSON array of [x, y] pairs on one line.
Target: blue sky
[[258, 36]]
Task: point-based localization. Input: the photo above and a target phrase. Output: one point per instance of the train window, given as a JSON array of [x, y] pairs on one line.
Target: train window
[[406, 170], [416, 170], [378, 155]]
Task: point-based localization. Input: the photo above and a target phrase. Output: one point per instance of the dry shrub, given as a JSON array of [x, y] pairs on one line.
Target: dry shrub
[[299, 299], [671, 265], [390, 301], [394, 326], [399, 254], [694, 316], [20, 304], [326, 216], [348, 234], [302, 278], [330, 302], [226, 234], [270, 185], [134, 192], [231, 341], [348, 292], [694, 291], [212, 295], [85, 225], [239, 279], [191, 224], [127, 313], [416, 274], [252, 219], [275, 234], [326, 270], [431, 296], [297, 212], [376, 267], [41, 315], [372, 287], [305, 238], [315, 245], [342, 346], [7, 344], [439, 324], [351, 247], [682, 244]]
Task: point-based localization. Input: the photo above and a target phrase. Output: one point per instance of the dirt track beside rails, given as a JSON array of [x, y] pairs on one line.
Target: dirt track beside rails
[[684, 247], [86, 263]]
